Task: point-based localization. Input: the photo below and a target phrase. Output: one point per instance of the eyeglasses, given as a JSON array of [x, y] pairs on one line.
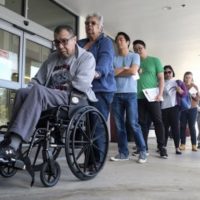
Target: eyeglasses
[[138, 49], [93, 23], [167, 72], [63, 41]]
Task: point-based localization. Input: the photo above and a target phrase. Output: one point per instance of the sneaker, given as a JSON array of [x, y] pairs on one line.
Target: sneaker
[[142, 157], [135, 153], [119, 157], [7, 154], [163, 153], [178, 151]]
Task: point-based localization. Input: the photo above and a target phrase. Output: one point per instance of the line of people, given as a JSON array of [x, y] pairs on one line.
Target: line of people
[[115, 83], [165, 111]]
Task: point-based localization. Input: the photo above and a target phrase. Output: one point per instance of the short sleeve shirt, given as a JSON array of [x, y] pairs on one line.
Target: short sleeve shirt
[[126, 84], [150, 68]]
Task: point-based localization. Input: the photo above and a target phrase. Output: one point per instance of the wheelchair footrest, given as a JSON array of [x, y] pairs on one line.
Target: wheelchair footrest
[[19, 164]]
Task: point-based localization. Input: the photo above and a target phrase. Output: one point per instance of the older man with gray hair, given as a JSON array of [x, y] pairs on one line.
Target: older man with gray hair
[[69, 67]]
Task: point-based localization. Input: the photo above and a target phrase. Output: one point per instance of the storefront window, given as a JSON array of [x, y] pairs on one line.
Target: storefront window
[[9, 56]]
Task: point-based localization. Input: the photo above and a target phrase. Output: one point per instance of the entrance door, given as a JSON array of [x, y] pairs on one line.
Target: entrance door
[[21, 55]]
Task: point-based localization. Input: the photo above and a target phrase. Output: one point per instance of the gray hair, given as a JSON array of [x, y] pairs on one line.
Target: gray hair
[[99, 18]]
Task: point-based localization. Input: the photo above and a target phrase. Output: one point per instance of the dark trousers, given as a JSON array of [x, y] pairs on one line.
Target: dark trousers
[[188, 117], [170, 118], [153, 110], [103, 105]]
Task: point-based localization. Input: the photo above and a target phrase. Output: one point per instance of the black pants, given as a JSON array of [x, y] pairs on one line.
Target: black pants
[[170, 118], [153, 110]]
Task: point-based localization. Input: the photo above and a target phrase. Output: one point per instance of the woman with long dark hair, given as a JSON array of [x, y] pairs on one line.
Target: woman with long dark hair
[[170, 107]]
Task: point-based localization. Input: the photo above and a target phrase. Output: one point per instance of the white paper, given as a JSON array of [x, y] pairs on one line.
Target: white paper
[[135, 77], [151, 94], [192, 90]]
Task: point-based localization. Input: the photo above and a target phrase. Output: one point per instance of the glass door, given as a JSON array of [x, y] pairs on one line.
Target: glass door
[[37, 51], [21, 55]]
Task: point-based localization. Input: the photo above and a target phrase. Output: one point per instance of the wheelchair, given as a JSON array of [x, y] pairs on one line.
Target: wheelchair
[[72, 128]]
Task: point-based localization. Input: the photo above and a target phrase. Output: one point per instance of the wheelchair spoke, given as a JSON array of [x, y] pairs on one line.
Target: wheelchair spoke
[[81, 152], [94, 128], [83, 132], [98, 137], [96, 147], [49, 177], [93, 156], [88, 125]]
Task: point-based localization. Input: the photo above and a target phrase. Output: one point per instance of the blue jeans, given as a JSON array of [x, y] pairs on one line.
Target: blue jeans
[[103, 105], [188, 117], [126, 103]]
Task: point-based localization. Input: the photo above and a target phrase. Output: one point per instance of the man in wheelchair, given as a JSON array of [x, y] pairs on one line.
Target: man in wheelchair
[[68, 67]]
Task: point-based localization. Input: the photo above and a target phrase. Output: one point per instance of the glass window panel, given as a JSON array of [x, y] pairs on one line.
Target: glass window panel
[[9, 56], [50, 14], [6, 103], [36, 54], [14, 5]]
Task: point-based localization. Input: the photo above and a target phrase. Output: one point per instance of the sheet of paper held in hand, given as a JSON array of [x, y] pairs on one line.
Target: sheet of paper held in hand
[[136, 77], [192, 90], [151, 94]]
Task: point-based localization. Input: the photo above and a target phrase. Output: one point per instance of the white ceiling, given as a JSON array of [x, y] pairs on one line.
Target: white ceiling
[[173, 34]]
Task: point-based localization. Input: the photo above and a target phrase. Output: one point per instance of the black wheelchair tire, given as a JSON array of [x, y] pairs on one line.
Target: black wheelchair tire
[[46, 176], [7, 171]]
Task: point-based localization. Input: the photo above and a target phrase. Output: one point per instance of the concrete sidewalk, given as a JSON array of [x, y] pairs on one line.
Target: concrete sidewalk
[[177, 177]]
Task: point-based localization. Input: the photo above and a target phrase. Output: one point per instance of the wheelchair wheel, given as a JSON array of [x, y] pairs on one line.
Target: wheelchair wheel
[[49, 177], [38, 158], [7, 171], [85, 149]]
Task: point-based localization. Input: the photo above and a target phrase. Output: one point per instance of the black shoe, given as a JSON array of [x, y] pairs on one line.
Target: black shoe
[[135, 153], [178, 152], [163, 153], [7, 154]]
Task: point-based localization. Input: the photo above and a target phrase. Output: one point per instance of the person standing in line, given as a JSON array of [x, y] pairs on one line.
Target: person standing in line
[[102, 48], [170, 107], [126, 65], [189, 116], [198, 124], [151, 76], [104, 84]]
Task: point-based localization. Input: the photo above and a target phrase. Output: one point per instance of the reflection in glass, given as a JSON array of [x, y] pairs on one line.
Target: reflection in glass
[[6, 103], [50, 14], [36, 54], [9, 56]]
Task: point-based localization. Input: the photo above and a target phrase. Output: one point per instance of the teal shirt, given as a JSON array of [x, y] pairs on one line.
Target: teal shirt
[[150, 68]]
